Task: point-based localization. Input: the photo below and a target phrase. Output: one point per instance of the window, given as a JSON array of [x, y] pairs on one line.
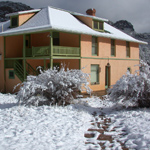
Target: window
[[101, 26], [113, 51], [28, 41], [95, 24], [56, 38], [94, 46], [98, 25], [129, 69], [11, 74], [127, 49], [14, 21], [94, 74]]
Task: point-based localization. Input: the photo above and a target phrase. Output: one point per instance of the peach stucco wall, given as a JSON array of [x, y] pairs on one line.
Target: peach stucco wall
[[10, 83], [119, 63], [70, 40], [104, 48], [40, 39], [2, 65], [118, 68], [24, 17], [86, 20], [69, 63], [14, 46]]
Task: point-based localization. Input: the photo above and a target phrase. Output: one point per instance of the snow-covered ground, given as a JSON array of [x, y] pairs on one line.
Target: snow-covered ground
[[50, 128], [41, 128]]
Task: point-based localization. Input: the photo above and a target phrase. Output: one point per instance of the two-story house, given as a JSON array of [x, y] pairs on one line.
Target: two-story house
[[48, 37]]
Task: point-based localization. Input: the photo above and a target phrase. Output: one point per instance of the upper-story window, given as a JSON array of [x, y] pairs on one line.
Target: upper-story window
[[56, 38], [28, 41], [127, 49], [14, 21], [98, 25], [94, 46], [113, 49]]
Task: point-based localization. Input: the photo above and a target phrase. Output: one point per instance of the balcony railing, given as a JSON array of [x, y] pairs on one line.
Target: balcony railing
[[67, 51], [57, 51], [37, 51]]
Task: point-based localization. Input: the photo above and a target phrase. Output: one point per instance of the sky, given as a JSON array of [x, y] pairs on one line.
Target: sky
[[135, 11]]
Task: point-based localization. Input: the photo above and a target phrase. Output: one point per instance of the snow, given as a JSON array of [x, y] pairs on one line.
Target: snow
[[53, 127], [135, 123], [22, 12], [50, 18], [43, 127]]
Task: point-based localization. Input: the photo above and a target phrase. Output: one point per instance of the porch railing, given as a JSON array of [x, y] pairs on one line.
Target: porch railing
[[37, 51], [67, 51], [57, 51]]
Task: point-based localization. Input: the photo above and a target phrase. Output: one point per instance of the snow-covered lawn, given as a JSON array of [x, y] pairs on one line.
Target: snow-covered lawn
[[41, 128], [51, 128]]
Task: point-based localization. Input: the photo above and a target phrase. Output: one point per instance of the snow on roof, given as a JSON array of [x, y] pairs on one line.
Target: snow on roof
[[22, 12], [89, 16], [56, 19], [4, 26]]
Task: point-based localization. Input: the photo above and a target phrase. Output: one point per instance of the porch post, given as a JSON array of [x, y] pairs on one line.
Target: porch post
[[44, 64], [4, 64], [24, 53], [51, 49], [80, 51]]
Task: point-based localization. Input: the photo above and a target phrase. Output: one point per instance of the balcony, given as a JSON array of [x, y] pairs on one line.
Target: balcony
[[57, 51]]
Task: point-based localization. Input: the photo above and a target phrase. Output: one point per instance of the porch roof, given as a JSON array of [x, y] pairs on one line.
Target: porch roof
[[56, 19]]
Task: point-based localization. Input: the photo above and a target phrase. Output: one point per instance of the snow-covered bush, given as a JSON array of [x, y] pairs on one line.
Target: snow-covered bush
[[53, 87], [133, 89]]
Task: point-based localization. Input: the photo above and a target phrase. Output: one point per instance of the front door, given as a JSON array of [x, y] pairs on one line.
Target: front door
[[107, 76]]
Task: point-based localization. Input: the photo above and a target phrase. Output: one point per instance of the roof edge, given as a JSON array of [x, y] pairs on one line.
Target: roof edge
[[22, 12]]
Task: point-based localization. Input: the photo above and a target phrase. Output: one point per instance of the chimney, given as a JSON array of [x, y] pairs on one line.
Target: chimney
[[91, 12]]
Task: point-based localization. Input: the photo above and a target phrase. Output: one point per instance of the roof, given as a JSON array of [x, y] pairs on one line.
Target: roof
[[56, 19], [22, 12]]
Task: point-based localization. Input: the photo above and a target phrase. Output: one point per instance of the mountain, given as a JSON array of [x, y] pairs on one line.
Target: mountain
[[7, 7], [128, 28]]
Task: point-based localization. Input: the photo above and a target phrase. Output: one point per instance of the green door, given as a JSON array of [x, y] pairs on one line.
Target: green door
[[107, 76]]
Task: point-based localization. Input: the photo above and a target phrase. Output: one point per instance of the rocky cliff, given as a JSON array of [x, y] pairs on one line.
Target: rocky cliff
[[7, 7]]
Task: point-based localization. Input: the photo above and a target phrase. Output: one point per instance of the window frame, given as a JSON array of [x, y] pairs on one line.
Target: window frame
[[113, 47], [129, 69], [28, 38], [11, 77], [95, 46], [12, 17], [98, 25], [127, 49], [56, 39], [97, 73]]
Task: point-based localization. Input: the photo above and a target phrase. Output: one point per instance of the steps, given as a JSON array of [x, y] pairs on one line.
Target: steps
[[19, 70]]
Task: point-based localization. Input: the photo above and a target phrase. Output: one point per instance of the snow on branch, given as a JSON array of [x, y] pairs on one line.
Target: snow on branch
[[133, 89], [53, 86]]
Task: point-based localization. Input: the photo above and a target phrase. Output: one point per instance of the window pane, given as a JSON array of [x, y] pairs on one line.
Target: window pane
[[94, 73], [127, 49], [113, 47], [94, 46], [96, 24], [11, 74], [56, 38], [14, 22], [101, 25]]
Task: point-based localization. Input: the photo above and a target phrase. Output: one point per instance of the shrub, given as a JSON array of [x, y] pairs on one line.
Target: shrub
[[133, 89], [53, 87]]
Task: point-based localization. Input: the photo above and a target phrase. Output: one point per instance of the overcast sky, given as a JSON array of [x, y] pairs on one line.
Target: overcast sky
[[135, 11]]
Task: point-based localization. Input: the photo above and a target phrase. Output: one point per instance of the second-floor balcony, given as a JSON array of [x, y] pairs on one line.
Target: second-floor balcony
[[56, 51]]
